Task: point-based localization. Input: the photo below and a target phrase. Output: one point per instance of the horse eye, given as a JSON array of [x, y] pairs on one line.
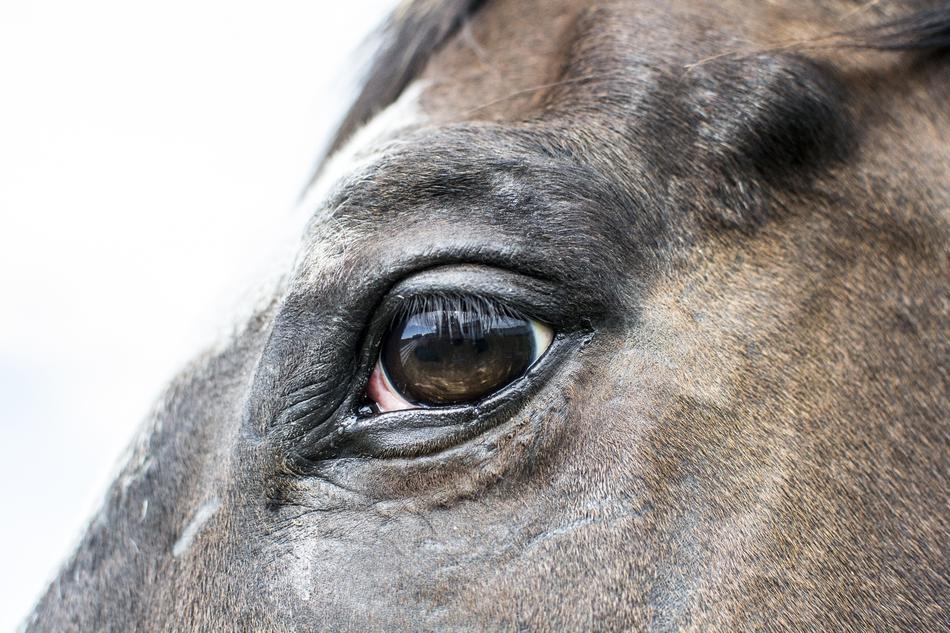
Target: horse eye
[[453, 355]]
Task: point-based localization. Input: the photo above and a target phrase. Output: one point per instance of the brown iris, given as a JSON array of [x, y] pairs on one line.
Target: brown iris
[[439, 357]]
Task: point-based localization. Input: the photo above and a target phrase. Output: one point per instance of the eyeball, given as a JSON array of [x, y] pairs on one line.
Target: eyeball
[[444, 352]]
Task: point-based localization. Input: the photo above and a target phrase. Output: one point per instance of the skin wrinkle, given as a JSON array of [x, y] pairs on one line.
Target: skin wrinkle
[[741, 425]]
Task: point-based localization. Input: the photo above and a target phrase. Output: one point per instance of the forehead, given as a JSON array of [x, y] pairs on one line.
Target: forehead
[[507, 58], [584, 129]]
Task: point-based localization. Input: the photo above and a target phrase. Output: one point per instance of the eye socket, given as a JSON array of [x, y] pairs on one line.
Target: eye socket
[[443, 351]]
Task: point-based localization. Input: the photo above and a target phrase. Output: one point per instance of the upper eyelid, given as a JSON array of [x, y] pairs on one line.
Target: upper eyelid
[[490, 288]]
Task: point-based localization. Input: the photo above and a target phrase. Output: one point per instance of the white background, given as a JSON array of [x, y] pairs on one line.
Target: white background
[[147, 150]]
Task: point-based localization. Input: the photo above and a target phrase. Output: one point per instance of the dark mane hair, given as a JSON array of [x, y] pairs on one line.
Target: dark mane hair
[[410, 35], [417, 28]]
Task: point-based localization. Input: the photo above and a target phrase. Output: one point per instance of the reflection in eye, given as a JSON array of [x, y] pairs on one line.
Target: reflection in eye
[[453, 350]]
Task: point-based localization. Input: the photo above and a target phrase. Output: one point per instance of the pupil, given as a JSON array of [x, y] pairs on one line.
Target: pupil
[[450, 357]]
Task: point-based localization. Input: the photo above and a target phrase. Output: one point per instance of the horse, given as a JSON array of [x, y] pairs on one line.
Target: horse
[[611, 316]]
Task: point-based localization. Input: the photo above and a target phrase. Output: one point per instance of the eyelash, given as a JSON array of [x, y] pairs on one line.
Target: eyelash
[[481, 309]]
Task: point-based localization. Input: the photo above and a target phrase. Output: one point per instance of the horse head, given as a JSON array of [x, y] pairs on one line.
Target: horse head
[[612, 316]]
